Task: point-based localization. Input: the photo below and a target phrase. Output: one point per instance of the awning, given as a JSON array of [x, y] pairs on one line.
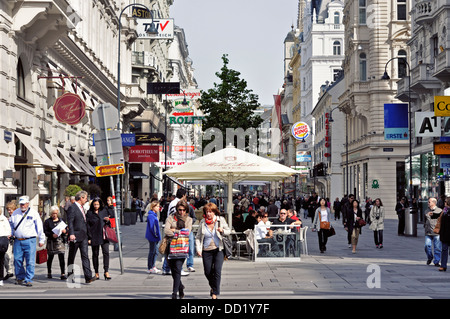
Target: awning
[[74, 164], [138, 175], [87, 164], [86, 168], [39, 157], [174, 181], [54, 154]]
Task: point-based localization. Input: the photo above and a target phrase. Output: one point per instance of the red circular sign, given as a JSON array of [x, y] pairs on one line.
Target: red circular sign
[[69, 108]]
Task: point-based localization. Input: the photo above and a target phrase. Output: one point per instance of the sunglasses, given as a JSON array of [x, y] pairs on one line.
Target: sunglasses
[[181, 210]]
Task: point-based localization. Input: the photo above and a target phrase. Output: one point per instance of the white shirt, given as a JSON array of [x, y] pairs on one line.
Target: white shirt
[[5, 227], [31, 226], [324, 215], [261, 230]]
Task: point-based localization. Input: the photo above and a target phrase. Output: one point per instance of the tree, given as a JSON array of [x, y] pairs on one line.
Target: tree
[[229, 104]]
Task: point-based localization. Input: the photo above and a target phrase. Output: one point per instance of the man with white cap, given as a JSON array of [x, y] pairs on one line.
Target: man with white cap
[[27, 228]]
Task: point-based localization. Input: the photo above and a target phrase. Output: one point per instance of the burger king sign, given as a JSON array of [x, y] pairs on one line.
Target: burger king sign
[[300, 130]]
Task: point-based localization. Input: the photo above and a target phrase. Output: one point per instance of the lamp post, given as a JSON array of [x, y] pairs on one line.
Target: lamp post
[[386, 77], [165, 139], [117, 198]]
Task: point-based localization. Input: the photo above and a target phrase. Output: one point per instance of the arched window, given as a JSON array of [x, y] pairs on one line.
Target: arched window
[[337, 18], [336, 48], [401, 64], [20, 80], [362, 67]]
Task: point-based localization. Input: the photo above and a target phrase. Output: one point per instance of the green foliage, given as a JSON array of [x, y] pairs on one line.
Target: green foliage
[[71, 190], [229, 104]]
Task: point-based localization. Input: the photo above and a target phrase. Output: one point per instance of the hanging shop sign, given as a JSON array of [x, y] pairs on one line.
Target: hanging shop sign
[[185, 119], [150, 138], [165, 28], [109, 170], [69, 108], [144, 154], [396, 121], [300, 130], [427, 124], [442, 105], [441, 148]]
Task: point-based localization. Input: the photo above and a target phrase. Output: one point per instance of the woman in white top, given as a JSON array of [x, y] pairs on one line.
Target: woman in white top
[[5, 234], [324, 212]]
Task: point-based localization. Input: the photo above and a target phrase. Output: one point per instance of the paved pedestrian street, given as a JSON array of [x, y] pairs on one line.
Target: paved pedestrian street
[[398, 270]]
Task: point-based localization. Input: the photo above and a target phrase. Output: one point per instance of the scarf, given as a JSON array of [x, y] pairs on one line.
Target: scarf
[[210, 221]]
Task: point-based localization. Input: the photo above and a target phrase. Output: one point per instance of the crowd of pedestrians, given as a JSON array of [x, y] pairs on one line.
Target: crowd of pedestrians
[[77, 223]]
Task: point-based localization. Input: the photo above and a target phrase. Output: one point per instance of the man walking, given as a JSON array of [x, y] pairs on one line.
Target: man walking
[[26, 227], [432, 239], [78, 238], [400, 210]]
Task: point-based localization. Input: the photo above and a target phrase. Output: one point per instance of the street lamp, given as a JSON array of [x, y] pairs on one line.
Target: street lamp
[[330, 119], [386, 77], [151, 30]]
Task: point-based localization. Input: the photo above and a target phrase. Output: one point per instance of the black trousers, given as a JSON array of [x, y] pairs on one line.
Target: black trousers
[[378, 237], [2, 265], [61, 263], [212, 266], [323, 239], [176, 266], [96, 253], [401, 224], [73, 248]]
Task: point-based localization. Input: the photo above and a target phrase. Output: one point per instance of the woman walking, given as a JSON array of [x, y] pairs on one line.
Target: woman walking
[[153, 236], [178, 225], [352, 223], [210, 246], [322, 217], [96, 218], [377, 222], [444, 234], [55, 242]]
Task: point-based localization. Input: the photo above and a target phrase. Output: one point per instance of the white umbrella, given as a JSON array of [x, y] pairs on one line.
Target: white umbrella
[[231, 165]]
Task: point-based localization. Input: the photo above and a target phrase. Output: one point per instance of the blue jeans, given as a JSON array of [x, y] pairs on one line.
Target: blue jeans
[[436, 243], [444, 255], [24, 250], [190, 259], [152, 253]]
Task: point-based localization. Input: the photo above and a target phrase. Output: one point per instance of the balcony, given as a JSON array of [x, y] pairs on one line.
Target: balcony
[[424, 11], [422, 79], [442, 71], [403, 90]]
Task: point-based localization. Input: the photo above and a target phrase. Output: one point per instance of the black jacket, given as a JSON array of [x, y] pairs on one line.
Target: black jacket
[[95, 223], [77, 224]]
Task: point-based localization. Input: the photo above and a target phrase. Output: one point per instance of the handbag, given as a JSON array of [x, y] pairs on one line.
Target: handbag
[[109, 234], [331, 232], [41, 256], [324, 225], [227, 247], [164, 245], [437, 228], [4, 243], [361, 222], [179, 245]]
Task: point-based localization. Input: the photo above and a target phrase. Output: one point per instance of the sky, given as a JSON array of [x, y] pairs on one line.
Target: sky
[[251, 32]]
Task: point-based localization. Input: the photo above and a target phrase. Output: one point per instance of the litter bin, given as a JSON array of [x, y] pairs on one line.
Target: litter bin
[[411, 222]]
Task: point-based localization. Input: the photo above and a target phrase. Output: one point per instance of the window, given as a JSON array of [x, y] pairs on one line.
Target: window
[[402, 64], [362, 11], [362, 67], [401, 9], [336, 48], [20, 80], [337, 18]]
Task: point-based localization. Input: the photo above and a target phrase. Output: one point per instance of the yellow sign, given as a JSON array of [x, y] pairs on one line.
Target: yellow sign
[[441, 148], [109, 170], [442, 105]]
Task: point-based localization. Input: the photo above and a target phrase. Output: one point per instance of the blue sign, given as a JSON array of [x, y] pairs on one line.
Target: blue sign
[[396, 121], [128, 139], [7, 136]]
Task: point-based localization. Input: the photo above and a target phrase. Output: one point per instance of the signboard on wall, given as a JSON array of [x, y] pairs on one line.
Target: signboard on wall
[[396, 121], [144, 154]]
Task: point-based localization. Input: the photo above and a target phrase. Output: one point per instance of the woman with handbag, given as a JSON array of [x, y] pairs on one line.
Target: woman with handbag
[[97, 218], [153, 236], [352, 223], [55, 243], [209, 245], [322, 217], [5, 234], [178, 226], [377, 222]]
